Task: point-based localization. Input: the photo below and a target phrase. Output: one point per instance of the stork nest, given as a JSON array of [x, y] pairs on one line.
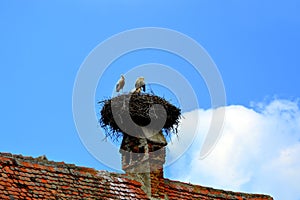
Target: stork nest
[[119, 113]]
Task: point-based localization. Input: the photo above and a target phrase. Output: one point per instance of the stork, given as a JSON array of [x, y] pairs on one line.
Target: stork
[[140, 84], [120, 83]]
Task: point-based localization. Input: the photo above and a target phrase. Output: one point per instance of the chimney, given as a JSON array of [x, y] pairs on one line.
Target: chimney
[[143, 159]]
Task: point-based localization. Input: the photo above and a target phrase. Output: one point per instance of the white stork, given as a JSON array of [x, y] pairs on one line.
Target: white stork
[[140, 84], [120, 83]]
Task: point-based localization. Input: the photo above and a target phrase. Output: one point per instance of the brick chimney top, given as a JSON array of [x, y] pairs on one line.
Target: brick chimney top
[[143, 160]]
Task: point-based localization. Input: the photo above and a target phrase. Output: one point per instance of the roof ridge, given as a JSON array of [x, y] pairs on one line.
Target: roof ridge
[[45, 164]]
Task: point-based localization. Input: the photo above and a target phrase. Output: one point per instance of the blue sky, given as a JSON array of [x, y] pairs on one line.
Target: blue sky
[[254, 44]]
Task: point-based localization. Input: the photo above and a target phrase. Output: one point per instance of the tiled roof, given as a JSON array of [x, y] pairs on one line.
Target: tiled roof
[[24, 177], [179, 190], [28, 178]]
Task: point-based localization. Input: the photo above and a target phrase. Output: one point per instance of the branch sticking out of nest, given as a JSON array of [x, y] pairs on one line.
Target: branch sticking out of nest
[[128, 113]]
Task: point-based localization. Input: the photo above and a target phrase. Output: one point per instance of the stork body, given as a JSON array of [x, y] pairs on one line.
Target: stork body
[[120, 83], [140, 85]]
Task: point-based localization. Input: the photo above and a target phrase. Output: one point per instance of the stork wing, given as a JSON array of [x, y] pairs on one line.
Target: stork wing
[[117, 87]]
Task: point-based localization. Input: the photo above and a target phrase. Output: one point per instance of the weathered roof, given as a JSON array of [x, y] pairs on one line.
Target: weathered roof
[[28, 178], [179, 190], [23, 177]]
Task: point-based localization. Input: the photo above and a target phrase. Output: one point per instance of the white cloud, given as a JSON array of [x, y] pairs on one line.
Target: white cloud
[[259, 151]]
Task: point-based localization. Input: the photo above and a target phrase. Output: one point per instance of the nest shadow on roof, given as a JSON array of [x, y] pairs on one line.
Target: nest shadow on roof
[[141, 108]]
